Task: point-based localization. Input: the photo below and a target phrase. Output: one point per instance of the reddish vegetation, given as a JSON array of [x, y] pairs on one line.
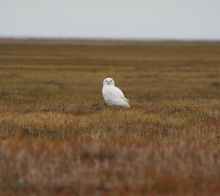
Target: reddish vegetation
[[58, 137], [118, 167]]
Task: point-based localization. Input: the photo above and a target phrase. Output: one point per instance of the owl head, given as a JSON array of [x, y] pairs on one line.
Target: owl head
[[108, 81]]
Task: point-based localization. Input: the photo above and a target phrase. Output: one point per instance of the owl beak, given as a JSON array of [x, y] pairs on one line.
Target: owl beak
[[108, 82]]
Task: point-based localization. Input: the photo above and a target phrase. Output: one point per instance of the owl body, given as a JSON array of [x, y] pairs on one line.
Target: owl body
[[113, 95]]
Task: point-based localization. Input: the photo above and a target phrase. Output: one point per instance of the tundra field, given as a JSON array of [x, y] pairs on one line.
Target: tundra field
[[58, 137]]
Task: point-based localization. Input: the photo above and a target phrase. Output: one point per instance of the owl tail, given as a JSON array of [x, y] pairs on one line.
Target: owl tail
[[126, 102]]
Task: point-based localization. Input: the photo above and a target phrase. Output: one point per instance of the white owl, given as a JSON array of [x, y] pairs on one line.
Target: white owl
[[113, 95]]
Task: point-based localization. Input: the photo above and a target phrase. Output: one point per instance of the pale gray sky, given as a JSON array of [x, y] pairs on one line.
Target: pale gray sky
[[112, 19]]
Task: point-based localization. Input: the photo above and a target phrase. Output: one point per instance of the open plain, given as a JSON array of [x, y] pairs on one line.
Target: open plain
[[58, 137]]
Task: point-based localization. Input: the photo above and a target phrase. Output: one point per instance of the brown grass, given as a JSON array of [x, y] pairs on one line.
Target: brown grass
[[58, 137]]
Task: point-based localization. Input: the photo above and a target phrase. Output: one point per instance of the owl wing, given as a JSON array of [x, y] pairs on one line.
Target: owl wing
[[121, 93]]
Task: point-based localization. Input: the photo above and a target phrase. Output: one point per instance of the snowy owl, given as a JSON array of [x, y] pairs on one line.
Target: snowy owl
[[113, 95]]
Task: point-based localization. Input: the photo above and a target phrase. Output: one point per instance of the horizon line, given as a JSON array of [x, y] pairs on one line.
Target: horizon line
[[105, 38]]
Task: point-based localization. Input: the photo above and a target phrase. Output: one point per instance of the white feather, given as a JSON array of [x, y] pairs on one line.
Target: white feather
[[113, 95]]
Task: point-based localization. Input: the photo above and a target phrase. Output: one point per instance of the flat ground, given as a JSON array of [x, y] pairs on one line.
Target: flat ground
[[58, 137]]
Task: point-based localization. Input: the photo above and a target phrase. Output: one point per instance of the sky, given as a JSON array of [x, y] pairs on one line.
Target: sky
[[112, 19]]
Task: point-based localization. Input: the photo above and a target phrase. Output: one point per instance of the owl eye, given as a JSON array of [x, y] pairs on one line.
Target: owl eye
[[106, 81], [111, 81]]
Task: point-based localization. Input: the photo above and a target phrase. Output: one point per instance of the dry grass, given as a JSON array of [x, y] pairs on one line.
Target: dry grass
[[167, 143], [114, 168]]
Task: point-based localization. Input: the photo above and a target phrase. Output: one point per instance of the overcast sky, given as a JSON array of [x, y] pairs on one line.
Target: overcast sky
[[111, 19]]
